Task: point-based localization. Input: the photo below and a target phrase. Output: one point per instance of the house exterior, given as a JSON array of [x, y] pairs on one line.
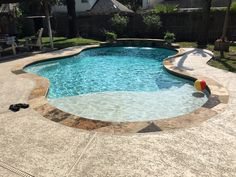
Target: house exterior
[[94, 7], [92, 20], [147, 4], [80, 6], [108, 7]]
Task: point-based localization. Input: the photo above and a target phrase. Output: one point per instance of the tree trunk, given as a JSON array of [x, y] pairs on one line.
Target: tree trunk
[[225, 29], [46, 8], [71, 18], [204, 27], [226, 22]]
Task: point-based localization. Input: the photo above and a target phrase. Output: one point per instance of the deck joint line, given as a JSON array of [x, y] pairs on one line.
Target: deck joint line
[[81, 155], [15, 170]]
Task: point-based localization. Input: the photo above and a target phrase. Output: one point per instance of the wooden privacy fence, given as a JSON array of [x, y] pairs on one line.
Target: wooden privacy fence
[[185, 25]]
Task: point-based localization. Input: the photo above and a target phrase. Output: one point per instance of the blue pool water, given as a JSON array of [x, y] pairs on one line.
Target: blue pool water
[[107, 69], [123, 77]]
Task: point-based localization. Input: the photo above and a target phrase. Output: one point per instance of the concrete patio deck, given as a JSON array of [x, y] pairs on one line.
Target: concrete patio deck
[[31, 145]]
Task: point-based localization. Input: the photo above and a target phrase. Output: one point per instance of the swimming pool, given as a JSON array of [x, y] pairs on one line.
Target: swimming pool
[[118, 84]]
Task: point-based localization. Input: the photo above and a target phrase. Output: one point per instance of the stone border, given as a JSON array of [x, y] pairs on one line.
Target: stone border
[[37, 100]]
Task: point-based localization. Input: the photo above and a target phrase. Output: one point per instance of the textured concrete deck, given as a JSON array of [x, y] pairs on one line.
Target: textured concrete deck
[[31, 145]]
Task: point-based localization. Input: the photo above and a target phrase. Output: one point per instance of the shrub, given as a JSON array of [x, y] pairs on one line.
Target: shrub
[[152, 21], [119, 23], [132, 4], [223, 9], [110, 36], [233, 7], [169, 37], [161, 8]]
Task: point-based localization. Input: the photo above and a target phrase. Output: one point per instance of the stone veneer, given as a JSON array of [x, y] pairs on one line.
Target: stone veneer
[[37, 99]]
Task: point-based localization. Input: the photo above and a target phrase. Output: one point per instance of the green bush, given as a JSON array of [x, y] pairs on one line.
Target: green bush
[[233, 7], [119, 23], [152, 21], [161, 8], [169, 37], [222, 9], [110, 36], [131, 4]]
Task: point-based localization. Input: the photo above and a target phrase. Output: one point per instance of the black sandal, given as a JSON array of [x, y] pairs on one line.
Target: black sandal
[[14, 108], [23, 105]]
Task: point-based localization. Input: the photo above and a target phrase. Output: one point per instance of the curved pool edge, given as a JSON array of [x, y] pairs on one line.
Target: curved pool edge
[[37, 100]]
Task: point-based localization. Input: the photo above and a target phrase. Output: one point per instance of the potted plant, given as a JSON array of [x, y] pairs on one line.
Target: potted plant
[[169, 37], [110, 36]]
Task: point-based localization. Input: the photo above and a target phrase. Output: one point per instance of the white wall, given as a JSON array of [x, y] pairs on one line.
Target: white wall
[[79, 6], [150, 3]]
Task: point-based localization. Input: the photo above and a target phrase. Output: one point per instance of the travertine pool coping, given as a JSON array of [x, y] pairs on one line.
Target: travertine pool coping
[[37, 99]]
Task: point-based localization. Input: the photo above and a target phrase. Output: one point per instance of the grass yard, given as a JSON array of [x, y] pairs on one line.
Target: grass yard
[[59, 42], [62, 42], [228, 63]]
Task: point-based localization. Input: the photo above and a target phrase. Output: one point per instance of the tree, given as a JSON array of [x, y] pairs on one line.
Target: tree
[[46, 5], [119, 23], [222, 44], [226, 22], [152, 23], [203, 32], [71, 18]]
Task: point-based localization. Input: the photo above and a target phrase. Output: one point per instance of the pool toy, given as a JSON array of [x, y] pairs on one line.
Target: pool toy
[[200, 85]]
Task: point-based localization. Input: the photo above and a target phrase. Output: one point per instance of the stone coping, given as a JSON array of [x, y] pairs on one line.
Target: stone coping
[[140, 42], [38, 101]]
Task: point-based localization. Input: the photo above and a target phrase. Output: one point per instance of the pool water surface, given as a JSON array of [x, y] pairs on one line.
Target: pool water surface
[[119, 84]]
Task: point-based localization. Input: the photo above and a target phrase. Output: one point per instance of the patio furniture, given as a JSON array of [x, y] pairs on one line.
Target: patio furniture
[[35, 41], [10, 44]]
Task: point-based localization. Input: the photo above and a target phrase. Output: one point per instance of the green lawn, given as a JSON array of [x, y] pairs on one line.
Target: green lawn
[[228, 63], [62, 42], [59, 42]]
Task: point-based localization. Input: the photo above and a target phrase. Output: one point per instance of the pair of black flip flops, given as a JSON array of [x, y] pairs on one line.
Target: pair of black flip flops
[[16, 107]]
